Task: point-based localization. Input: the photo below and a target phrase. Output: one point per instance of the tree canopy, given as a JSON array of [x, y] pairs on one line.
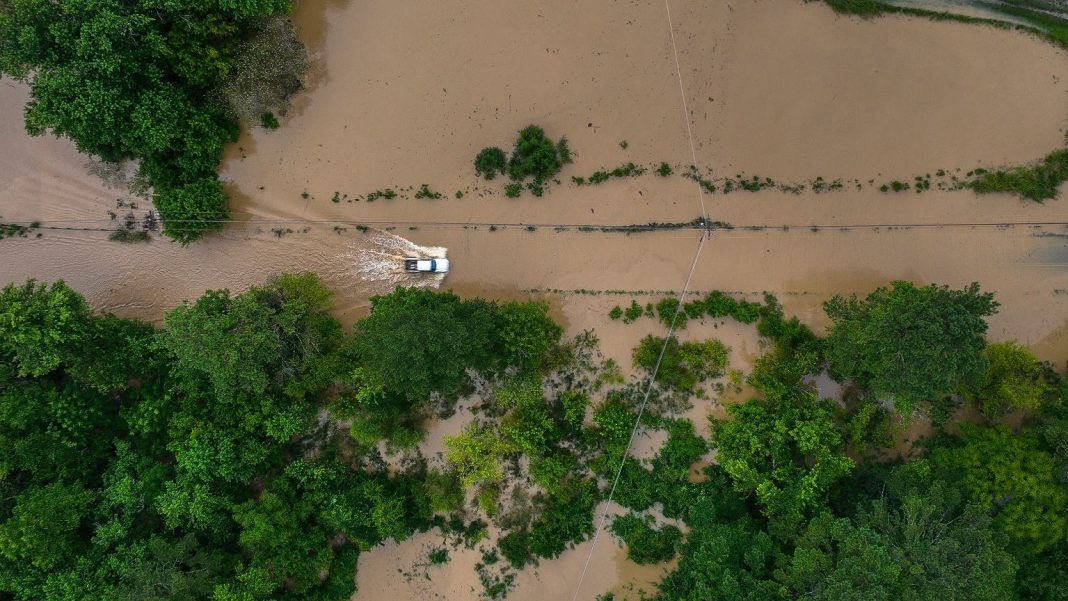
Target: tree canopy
[[911, 344], [141, 80]]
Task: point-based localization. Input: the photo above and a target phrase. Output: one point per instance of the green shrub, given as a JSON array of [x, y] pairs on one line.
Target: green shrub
[[664, 170], [683, 365], [515, 547], [667, 309], [425, 192], [513, 190], [633, 312], [535, 156], [1038, 182], [615, 313], [268, 120], [490, 161], [566, 519], [645, 544]]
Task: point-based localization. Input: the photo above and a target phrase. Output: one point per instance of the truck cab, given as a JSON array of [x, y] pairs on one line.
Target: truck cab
[[413, 264]]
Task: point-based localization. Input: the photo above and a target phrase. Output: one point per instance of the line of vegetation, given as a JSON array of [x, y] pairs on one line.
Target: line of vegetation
[[12, 230], [599, 177]]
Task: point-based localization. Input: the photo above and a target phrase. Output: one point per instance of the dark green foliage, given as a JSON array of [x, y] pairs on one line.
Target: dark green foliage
[[513, 190], [664, 170], [917, 543], [527, 334], [418, 341], [424, 192], [566, 519], [616, 313], [269, 121], [684, 365], [535, 156], [633, 312], [11, 230], [910, 344], [646, 544], [138, 80]]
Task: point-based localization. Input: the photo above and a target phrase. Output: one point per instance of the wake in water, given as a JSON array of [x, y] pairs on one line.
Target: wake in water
[[376, 261]]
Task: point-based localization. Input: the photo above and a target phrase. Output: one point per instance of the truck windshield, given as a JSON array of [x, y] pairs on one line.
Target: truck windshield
[[433, 265]]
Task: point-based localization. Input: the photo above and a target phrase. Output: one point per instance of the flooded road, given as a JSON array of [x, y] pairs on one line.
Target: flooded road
[[405, 93]]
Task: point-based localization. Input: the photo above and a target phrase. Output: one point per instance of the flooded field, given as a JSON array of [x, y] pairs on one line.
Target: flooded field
[[404, 93]]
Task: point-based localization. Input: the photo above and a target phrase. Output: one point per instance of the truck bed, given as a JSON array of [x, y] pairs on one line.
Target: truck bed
[[411, 265]]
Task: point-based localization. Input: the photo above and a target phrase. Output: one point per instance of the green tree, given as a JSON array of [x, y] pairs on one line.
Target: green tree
[[1014, 380], [43, 530], [138, 79], [910, 344], [1012, 478], [786, 450], [527, 334], [41, 326], [682, 366], [418, 341], [919, 546], [476, 454]]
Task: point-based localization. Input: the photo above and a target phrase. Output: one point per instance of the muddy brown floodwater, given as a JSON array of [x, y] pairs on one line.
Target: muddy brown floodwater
[[404, 93]]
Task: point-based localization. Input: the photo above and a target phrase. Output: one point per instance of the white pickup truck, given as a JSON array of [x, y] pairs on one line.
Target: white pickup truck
[[426, 265]]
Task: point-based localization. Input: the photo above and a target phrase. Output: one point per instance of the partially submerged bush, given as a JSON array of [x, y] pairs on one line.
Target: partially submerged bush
[[490, 161], [684, 365]]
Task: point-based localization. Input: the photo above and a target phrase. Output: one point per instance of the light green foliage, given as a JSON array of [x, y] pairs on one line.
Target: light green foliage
[[476, 454], [646, 544], [910, 344], [1014, 380], [41, 326], [784, 449], [684, 365], [1011, 477], [527, 333]]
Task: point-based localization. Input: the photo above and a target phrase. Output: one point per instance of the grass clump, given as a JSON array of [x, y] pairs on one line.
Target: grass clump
[[664, 170], [129, 236], [11, 230], [633, 312], [513, 190], [616, 313]]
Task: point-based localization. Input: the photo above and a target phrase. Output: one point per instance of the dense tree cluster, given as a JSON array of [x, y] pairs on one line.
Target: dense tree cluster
[[185, 462], [200, 460], [163, 83]]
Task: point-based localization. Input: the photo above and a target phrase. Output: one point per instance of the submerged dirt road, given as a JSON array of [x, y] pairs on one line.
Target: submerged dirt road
[[404, 93]]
